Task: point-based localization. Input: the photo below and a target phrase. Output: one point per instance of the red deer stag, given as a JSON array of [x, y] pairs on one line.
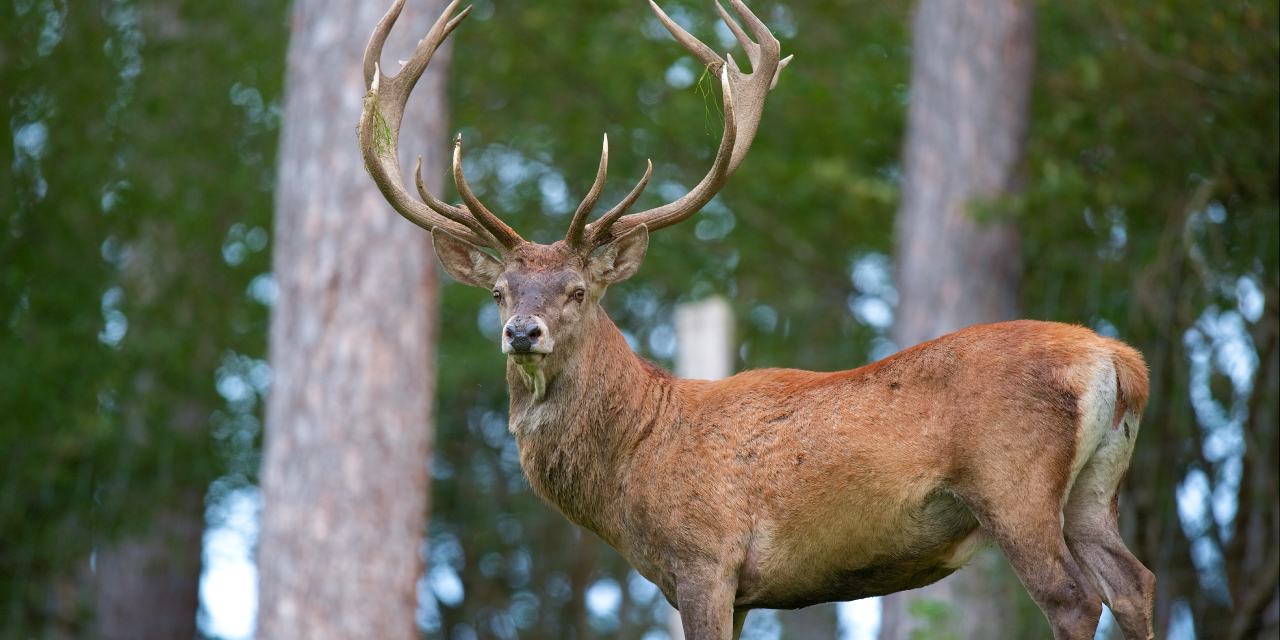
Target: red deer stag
[[781, 488]]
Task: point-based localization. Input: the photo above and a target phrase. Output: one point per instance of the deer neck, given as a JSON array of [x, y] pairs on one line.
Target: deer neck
[[579, 426]]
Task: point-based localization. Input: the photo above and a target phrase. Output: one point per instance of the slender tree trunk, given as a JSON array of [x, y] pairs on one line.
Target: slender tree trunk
[[147, 586], [584, 564], [971, 77], [818, 621], [704, 336], [348, 426]]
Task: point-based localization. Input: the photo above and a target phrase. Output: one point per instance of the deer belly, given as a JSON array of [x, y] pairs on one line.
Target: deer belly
[[865, 557]]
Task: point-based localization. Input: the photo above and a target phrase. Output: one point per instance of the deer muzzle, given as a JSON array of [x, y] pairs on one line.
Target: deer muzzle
[[526, 334]]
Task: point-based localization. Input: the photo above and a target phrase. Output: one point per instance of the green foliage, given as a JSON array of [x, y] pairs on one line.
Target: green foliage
[[934, 618], [134, 219], [382, 137]]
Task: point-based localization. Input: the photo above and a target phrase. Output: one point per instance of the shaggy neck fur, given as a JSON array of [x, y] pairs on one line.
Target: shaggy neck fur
[[576, 437]]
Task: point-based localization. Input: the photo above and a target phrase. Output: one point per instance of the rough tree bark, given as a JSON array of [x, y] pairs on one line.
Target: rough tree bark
[[348, 424], [970, 83]]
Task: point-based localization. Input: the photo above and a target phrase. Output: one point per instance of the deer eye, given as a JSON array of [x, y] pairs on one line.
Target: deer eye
[[497, 296], [579, 294]]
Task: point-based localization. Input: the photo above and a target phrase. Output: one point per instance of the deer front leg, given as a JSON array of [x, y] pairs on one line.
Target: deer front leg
[[706, 606]]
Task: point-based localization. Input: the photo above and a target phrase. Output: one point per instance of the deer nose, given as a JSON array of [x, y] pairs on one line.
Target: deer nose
[[522, 332]]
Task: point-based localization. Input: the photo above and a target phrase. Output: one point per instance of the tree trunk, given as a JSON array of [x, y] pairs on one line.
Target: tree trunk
[[818, 622], [584, 563], [704, 338], [348, 425], [147, 586], [971, 78]]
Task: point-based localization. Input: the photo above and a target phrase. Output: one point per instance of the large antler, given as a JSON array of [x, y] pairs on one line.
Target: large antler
[[379, 134], [744, 96]]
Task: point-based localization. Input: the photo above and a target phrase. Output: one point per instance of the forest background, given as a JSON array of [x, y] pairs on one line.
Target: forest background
[[139, 208]]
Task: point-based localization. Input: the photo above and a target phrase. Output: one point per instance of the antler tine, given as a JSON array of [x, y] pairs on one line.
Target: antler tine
[[758, 28], [457, 214], [749, 46], [688, 204], [417, 63], [576, 226], [600, 228], [373, 50], [379, 128], [753, 50], [693, 45], [505, 235]]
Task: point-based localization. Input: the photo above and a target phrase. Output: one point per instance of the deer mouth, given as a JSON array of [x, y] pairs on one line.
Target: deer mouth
[[527, 358]]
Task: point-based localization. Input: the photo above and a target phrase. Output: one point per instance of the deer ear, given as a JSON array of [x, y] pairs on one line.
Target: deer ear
[[464, 261], [620, 259]]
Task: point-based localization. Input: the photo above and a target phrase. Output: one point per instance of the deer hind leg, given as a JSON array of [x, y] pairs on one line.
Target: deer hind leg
[[1044, 564], [1091, 531], [1025, 520], [1127, 586]]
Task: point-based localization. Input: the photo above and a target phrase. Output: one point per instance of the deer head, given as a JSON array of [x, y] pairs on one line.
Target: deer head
[[544, 292]]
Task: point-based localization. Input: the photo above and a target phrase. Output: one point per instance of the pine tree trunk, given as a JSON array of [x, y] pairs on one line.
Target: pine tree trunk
[[146, 587], [348, 425], [971, 77]]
